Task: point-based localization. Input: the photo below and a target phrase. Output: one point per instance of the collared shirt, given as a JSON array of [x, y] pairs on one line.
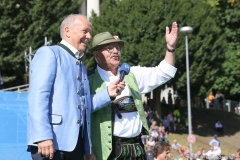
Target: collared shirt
[[175, 146], [74, 50], [214, 140], [130, 124], [218, 125]]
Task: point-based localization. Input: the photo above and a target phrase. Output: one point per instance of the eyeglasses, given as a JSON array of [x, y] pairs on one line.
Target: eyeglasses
[[111, 47]]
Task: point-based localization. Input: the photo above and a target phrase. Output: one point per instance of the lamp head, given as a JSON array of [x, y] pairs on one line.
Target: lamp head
[[186, 29]]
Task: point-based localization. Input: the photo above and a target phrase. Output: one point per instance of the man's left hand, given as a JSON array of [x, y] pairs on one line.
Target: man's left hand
[[171, 36]]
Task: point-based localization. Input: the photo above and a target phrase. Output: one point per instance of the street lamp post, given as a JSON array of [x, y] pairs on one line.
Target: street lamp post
[[186, 30]]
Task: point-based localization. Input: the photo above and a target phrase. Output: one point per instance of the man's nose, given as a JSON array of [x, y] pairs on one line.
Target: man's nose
[[89, 36]]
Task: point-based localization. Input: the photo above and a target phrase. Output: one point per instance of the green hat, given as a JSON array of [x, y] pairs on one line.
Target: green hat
[[105, 38]]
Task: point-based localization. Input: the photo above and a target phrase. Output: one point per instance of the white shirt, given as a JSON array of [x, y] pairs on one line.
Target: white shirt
[[130, 124], [175, 146], [211, 154], [217, 150], [74, 50], [151, 143], [218, 125], [214, 140], [154, 134]]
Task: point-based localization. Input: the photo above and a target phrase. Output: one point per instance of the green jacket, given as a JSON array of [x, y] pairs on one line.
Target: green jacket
[[101, 126]]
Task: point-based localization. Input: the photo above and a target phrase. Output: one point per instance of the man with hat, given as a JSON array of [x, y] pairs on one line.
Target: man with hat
[[59, 101], [115, 137]]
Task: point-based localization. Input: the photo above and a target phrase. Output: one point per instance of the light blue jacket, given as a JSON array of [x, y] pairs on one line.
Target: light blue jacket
[[55, 111]]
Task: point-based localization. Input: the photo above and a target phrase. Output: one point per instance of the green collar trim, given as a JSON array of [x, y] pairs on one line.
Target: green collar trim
[[67, 49]]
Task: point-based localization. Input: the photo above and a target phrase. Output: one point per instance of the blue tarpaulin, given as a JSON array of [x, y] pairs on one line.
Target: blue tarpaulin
[[13, 126]]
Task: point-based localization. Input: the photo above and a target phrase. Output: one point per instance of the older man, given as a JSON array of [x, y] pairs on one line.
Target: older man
[[60, 103], [117, 136]]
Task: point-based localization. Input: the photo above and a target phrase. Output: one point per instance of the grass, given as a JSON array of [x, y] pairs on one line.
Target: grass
[[203, 121]]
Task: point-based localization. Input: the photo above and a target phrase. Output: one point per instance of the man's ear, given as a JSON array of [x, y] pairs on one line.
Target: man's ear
[[67, 31]]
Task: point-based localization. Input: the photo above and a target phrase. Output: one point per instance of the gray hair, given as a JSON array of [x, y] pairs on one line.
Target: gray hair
[[69, 21]]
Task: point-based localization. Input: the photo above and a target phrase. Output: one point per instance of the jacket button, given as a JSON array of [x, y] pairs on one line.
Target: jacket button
[[109, 127], [109, 149], [78, 106], [78, 77], [109, 141], [77, 63], [78, 121], [78, 92], [109, 134]]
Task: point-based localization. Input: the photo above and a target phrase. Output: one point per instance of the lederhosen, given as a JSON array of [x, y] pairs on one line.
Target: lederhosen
[[126, 148]]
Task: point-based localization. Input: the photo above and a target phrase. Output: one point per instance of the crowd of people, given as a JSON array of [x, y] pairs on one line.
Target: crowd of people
[[216, 101], [159, 132], [180, 152]]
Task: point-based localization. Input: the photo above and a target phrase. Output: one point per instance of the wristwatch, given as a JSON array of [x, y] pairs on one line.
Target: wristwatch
[[170, 50]]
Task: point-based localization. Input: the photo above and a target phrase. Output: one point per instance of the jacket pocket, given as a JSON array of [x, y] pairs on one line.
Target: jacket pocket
[[55, 119]]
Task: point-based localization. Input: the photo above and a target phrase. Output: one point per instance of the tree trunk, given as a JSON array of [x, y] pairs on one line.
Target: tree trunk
[[156, 103]]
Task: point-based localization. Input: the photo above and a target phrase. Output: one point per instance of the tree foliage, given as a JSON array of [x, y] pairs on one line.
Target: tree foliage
[[213, 46], [26, 23], [142, 26], [228, 83], [14, 19]]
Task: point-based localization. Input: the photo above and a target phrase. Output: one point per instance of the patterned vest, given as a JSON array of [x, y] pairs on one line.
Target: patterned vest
[[101, 126]]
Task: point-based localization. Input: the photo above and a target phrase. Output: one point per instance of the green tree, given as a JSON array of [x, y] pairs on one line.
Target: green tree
[[142, 25], [14, 19], [27, 23], [229, 82]]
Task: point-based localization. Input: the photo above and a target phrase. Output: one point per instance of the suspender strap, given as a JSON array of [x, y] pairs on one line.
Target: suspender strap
[[115, 110]]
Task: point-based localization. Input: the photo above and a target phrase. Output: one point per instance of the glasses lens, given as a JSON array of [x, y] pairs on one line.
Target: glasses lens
[[110, 48]]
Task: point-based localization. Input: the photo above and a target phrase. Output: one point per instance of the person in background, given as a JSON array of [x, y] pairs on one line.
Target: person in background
[[154, 133], [175, 145], [170, 100], [149, 154], [59, 101], [163, 101], [151, 142], [219, 98], [172, 125], [198, 155], [161, 151], [166, 124], [118, 129], [211, 154], [218, 127], [237, 155], [211, 99], [215, 139], [217, 149], [162, 135], [203, 152]]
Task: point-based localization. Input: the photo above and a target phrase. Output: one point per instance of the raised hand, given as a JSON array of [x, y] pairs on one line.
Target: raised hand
[[171, 36]]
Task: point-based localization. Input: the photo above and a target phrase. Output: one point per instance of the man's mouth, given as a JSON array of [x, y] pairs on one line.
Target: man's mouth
[[115, 56], [84, 42]]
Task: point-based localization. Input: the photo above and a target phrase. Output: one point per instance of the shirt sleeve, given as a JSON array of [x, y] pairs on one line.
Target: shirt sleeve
[[149, 78]]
